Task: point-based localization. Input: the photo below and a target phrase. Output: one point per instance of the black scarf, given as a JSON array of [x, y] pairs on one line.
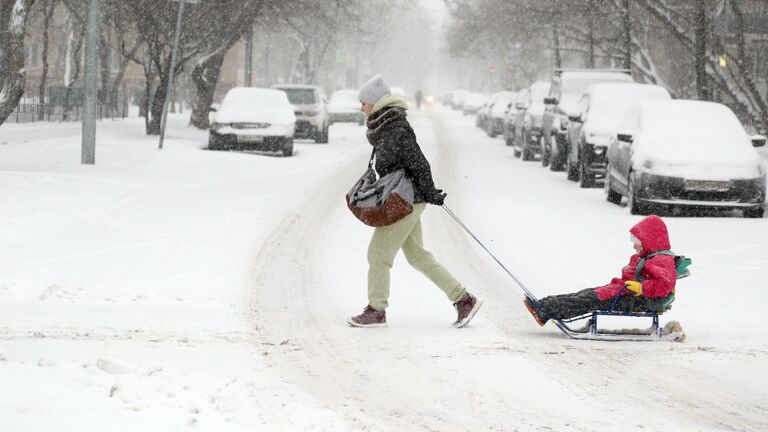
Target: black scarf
[[378, 121]]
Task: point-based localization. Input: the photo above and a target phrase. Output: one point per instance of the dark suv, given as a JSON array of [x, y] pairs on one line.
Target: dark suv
[[567, 87]]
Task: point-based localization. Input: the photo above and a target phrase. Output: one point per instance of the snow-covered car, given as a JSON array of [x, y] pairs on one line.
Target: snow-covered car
[[601, 108], [310, 106], [566, 88], [344, 107], [529, 131], [253, 118], [459, 96], [497, 111], [685, 153], [509, 123], [473, 103]]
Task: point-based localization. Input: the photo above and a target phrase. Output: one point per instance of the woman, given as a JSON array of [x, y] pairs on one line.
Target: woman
[[396, 148]]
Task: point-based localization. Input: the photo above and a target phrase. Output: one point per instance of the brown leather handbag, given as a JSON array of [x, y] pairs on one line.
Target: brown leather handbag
[[381, 201]]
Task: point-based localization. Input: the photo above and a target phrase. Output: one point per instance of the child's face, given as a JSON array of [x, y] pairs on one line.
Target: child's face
[[638, 247]]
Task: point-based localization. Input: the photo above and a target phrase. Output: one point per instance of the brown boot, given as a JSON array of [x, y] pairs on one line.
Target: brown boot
[[466, 307], [369, 318]]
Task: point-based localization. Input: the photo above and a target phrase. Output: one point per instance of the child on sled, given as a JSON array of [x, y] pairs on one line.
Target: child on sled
[[644, 289]]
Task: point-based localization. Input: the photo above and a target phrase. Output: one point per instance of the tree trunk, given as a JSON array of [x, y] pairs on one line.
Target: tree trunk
[[626, 34], [556, 42], [591, 34], [700, 53], [12, 74], [205, 75], [156, 107], [49, 7]]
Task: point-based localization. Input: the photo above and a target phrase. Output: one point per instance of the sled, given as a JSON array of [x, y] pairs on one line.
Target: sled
[[672, 332]]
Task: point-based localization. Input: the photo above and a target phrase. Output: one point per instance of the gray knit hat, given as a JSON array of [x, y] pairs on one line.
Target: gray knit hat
[[374, 90]]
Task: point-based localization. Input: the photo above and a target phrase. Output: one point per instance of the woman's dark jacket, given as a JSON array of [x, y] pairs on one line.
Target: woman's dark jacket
[[395, 145]]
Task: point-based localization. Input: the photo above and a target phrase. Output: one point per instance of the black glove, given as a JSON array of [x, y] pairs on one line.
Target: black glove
[[437, 197]]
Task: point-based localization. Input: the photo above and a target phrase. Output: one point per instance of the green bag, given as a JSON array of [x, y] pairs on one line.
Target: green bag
[[681, 268]]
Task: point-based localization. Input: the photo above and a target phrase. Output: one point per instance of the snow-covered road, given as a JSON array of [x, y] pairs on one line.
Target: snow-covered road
[[186, 289]]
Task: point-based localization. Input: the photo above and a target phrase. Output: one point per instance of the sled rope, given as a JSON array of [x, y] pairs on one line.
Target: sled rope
[[461, 224]]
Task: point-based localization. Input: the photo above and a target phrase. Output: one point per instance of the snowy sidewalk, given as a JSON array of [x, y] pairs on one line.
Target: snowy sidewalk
[[121, 284]]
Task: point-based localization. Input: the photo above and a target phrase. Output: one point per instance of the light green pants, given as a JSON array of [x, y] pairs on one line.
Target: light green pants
[[387, 241]]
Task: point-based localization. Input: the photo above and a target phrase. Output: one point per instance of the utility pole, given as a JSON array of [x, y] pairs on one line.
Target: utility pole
[[88, 147], [248, 57], [169, 89]]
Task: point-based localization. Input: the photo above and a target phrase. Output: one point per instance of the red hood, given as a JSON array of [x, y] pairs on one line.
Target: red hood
[[653, 233]]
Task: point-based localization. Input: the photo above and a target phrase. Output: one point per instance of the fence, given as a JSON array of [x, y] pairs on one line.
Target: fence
[[27, 112]]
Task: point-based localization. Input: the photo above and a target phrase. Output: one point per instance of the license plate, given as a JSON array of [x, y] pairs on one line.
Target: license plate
[[707, 185], [250, 138]]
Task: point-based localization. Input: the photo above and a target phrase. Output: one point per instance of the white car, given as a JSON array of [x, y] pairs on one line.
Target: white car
[[310, 106], [473, 103], [497, 111], [685, 153], [601, 108], [344, 106], [253, 118]]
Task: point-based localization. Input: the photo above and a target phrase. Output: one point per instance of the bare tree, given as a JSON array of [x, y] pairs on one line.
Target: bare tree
[[48, 7], [13, 17], [238, 17]]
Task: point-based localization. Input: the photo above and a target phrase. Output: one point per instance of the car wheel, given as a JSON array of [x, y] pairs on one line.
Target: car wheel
[[556, 163], [754, 212], [322, 135], [572, 168], [288, 149], [213, 142], [586, 179], [635, 206], [528, 154], [610, 195], [544, 151]]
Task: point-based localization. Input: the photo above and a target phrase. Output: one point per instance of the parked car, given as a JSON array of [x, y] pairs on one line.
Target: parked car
[[344, 107], [310, 106], [685, 153], [510, 122], [253, 118], [601, 108], [473, 103], [497, 111], [567, 87], [484, 111], [459, 96], [529, 132], [448, 98]]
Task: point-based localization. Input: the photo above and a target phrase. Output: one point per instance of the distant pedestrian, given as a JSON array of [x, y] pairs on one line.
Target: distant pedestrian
[[396, 148], [419, 96]]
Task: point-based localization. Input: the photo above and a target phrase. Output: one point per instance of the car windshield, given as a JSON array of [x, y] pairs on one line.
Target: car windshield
[[253, 97], [611, 105], [300, 96], [700, 125], [538, 92], [574, 85], [344, 97]]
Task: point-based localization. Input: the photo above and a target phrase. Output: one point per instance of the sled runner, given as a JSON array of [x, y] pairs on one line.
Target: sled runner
[[672, 331], [590, 331]]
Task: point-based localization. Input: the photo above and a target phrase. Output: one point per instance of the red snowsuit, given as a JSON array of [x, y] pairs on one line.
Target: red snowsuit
[[658, 273]]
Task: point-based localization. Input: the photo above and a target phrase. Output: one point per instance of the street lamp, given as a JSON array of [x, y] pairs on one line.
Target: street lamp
[[169, 89]]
